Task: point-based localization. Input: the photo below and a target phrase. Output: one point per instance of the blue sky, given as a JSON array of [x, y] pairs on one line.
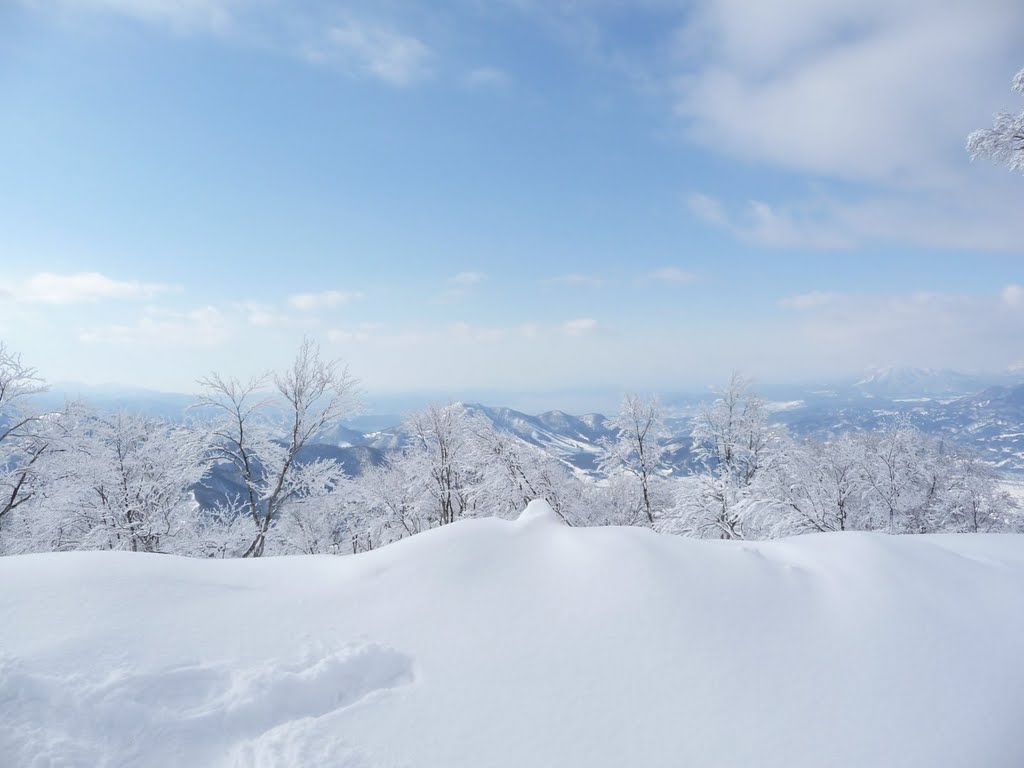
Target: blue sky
[[506, 195]]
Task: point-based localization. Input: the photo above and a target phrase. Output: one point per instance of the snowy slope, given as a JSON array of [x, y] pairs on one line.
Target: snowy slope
[[489, 643]]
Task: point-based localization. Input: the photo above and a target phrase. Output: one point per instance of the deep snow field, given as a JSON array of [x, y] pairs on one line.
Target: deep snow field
[[493, 643]]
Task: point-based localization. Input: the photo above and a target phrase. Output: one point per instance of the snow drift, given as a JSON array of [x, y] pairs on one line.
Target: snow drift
[[490, 643]]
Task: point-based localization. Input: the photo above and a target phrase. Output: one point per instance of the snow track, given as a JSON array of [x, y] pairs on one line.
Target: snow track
[[192, 714]]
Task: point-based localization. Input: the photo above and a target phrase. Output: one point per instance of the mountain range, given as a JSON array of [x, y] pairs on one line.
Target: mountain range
[[985, 412]]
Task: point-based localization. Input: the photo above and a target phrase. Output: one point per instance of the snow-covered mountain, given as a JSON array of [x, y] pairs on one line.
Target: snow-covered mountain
[[965, 407], [574, 439], [992, 421], [221, 482], [906, 382]]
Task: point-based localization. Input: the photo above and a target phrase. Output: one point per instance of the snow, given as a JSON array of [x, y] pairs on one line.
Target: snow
[[524, 643], [539, 512], [775, 406], [1013, 485]]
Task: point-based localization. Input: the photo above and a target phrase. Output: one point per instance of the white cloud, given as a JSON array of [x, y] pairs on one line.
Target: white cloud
[[201, 327], [357, 47], [581, 326], [776, 227], [822, 334], [707, 209], [79, 287], [978, 216], [436, 338], [840, 331], [308, 302], [806, 225], [369, 49], [1013, 294], [852, 89]]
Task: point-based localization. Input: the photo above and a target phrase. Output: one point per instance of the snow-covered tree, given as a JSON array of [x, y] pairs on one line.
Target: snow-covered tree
[[130, 484], [389, 505], [896, 479], [112, 481], [813, 487], [220, 532], [260, 435], [732, 443], [974, 501], [439, 458], [455, 464], [23, 438], [508, 474], [1004, 141], [638, 450], [320, 520], [615, 501], [894, 475]]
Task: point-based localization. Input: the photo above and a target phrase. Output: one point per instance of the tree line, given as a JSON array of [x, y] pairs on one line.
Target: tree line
[[76, 478]]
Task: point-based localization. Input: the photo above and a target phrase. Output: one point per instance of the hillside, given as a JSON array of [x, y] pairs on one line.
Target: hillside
[[523, 643]]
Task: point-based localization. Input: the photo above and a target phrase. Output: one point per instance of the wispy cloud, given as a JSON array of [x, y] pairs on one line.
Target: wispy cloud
[[707, 209], [308, 302], [76, 288], [204, 326], [806, 226], [922, 328], [461, 332], [370, 49], [357, 46], [979, 216]]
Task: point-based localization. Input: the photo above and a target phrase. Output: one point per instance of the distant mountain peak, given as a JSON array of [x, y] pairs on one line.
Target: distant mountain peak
[[907, 381]]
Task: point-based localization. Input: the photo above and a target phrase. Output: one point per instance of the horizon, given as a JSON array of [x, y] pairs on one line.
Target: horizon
[[524, 197], [576, 402]]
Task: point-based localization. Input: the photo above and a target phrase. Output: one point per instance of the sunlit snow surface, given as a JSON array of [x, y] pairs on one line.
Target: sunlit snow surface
[[490, 643]]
